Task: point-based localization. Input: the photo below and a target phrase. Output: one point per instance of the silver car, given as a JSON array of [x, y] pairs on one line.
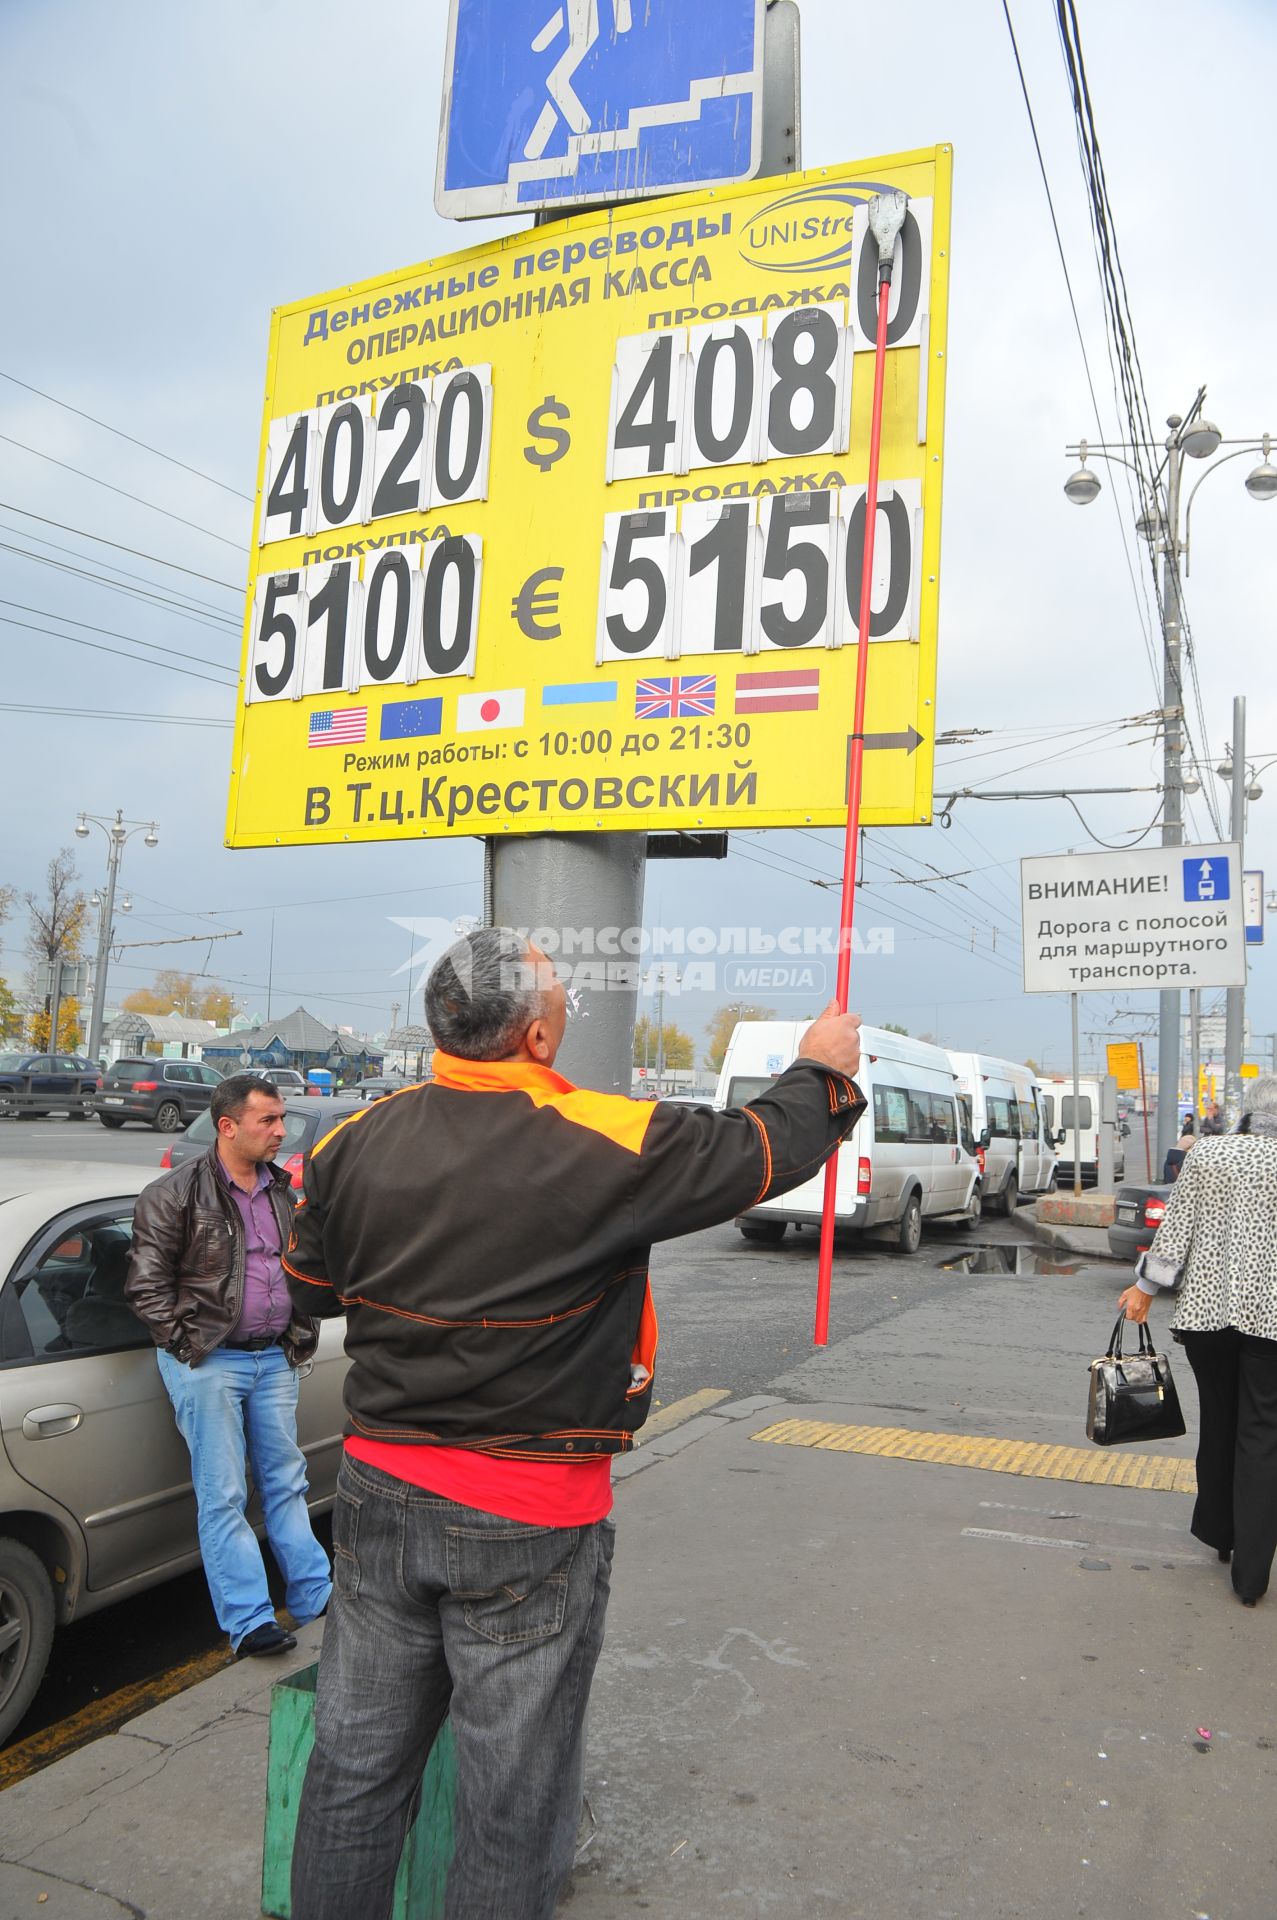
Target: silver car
[[95, 1489]]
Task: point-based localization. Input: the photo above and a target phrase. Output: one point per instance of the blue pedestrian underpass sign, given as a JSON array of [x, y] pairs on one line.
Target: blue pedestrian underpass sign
[[1205, 879], [561, 102]]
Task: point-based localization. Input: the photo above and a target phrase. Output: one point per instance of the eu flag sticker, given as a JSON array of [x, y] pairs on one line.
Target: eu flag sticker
[[410, 719], [1205, 879]]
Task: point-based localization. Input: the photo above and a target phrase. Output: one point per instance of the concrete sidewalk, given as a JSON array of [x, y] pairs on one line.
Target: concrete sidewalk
[[836, 1682]]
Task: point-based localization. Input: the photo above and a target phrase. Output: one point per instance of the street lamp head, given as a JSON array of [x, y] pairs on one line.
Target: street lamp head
[[152, 837], [81, 828], [1202, 439], [1261, 481], [1083, 486], [1147, 525], [126, 905], [1255, 792], [95, 898], [1225, 769], [1190, 783]]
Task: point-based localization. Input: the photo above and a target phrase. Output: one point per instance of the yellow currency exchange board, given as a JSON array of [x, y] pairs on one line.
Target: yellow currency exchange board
[[564, 532]]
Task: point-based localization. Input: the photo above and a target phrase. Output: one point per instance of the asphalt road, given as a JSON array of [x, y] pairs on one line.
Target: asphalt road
[[734, 1316]]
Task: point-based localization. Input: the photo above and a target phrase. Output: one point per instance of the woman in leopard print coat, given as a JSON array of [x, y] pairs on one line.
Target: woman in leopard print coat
[[1217, 1246]]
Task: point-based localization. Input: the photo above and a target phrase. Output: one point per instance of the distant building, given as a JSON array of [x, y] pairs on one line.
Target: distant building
[[298, 1040], [161, 1036]]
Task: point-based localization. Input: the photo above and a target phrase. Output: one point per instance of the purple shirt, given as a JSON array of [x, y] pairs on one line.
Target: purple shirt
[[266, 1307]]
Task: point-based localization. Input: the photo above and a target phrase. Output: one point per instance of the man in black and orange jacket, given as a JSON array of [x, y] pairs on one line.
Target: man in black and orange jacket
[[487, 1236]]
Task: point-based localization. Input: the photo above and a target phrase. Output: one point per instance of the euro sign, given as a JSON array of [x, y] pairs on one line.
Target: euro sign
[[536, 605], [540, 425]]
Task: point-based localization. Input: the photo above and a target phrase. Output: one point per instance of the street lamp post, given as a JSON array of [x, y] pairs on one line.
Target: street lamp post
[[117, 831], [1243, 786], [1159, 522]]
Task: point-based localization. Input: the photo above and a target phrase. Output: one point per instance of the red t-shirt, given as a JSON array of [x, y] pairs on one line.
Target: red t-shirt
[[544, 1493]]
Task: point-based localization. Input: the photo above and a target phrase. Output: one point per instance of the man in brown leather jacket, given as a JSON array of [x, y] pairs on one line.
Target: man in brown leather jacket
[[205, 1278]]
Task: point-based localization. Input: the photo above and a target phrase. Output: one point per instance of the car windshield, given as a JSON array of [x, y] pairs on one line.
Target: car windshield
[[11, 1062]]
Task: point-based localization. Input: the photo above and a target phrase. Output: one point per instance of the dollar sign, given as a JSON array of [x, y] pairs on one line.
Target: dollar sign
[[540, 425]]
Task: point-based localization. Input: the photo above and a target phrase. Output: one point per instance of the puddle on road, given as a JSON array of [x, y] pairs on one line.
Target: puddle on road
[[994, 1259]]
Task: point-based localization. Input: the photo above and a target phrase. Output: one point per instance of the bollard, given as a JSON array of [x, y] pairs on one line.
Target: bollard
[[423, 1867]]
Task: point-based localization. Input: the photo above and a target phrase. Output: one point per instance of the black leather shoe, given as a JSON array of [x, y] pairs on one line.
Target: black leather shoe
[[1245, 1602], [1225, 1554], [268, 1638]]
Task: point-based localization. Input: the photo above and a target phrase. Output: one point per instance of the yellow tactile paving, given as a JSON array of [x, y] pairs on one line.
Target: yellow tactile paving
[[1096, 1467]]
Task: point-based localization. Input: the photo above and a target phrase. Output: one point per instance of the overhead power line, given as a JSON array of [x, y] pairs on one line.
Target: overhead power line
[[151, 646], [102, 713], [123, 492], [100, 540], [121, 435], [202, 611], [96, 646]]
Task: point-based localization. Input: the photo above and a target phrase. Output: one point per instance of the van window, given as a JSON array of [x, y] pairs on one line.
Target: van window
[[1048, 1108], [743, 1088], [891, 1116], [1028, 1120], [1083, 1111], [966, 1125], [1004, 1118], [944, 1125]]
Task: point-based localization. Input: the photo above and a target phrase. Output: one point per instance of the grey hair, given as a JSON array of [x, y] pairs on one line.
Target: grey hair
[[484, 994], [1261, 1095]]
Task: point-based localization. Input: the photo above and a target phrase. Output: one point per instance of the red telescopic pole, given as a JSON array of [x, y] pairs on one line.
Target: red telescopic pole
[[886, 217]]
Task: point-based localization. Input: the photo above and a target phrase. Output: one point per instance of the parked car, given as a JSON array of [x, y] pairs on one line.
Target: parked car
[[32, 1084], [285, 1079], [163, 1094], [95, 1491], [374, 1087], [305, 1121], [1139, 1212], [904, 1160]]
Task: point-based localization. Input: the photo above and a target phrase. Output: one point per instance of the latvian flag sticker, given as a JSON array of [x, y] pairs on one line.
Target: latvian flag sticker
[[778, 692]]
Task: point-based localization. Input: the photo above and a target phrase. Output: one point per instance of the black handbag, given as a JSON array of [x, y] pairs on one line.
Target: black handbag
[[1132, 1397]]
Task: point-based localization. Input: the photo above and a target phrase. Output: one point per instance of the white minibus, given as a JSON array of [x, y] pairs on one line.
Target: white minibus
[[1006, 1105], [905, 1160]]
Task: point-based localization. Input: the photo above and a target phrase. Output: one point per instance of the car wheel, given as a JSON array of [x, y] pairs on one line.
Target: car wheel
[[26, 1630], [30, 1113], [111, 1119], [1009, 1198], [909, 1230], [168, 1117], [84, 1112], [767, 1233], [975, 1209]]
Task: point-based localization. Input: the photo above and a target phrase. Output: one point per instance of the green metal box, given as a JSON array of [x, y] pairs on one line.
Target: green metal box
[[423, 1869]]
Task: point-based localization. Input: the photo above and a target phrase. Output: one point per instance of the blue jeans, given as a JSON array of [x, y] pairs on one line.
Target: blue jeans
[[438, 1610], [232, 1406]]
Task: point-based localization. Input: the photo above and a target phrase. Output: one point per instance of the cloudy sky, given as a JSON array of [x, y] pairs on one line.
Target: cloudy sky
[[170, 173]]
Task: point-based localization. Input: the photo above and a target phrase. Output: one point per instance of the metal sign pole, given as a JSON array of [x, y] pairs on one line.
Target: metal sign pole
[[1077, 1107], [55, 998], [1148, 1151]]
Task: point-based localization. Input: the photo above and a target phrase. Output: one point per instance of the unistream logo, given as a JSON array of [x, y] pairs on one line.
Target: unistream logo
[[809, 228]]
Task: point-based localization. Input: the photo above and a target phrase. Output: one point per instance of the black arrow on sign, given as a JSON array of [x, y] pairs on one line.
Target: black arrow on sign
[[910, 740]]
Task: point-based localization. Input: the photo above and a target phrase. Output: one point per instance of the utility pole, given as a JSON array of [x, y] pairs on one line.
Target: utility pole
[[1168, 1032], [117, 831], [660, 1031], [1235, 1003]]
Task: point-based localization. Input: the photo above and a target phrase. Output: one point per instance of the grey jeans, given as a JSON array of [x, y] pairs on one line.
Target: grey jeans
[[439, 1609]]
